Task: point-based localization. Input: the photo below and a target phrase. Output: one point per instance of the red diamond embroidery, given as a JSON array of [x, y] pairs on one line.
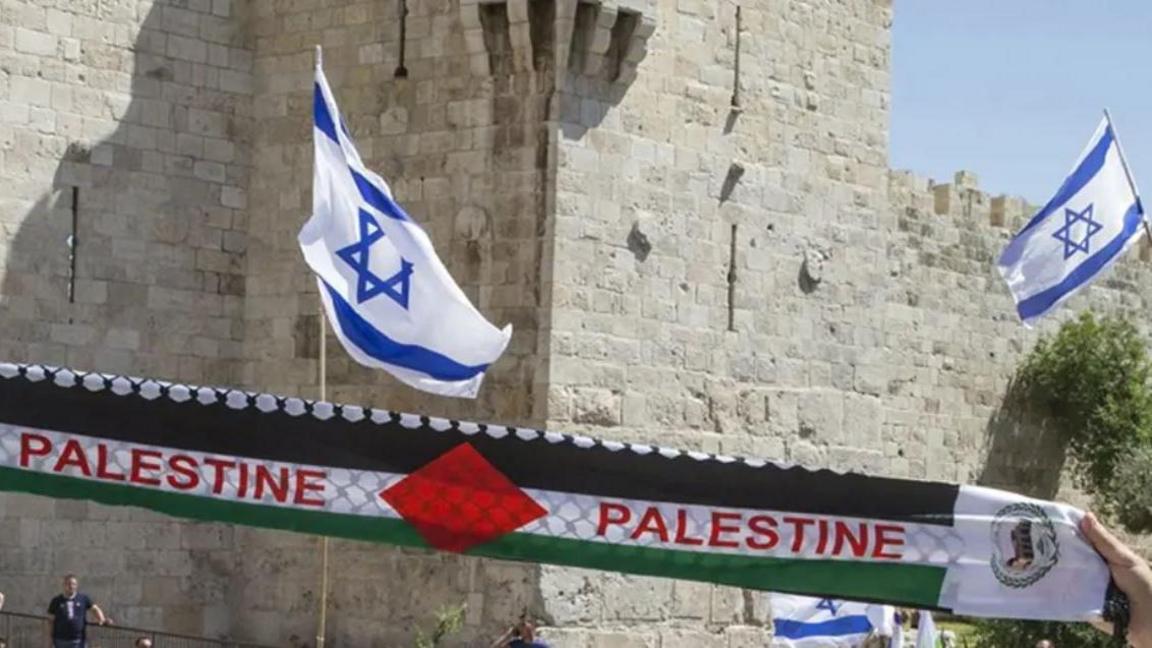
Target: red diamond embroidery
[[460, 500]]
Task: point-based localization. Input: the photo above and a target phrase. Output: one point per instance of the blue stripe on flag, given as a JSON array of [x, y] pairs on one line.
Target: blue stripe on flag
[[849, 625], [375, 344], [1074, 183], [320, 114], [377, 198], [1041, 302], [371, 194]]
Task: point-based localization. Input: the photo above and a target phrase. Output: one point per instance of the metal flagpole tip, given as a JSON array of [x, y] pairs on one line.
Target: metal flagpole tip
[[319, 56]]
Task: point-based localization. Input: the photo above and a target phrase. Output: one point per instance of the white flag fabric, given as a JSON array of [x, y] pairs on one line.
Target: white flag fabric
[[897, 640], [926, 631], [1082, 230], [391, 301], [807, 622], [883, 618]]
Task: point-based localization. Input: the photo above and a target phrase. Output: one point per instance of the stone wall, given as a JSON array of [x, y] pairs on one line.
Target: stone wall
[[960, 333], [123, 123], [757, 281], [746, 279], [462, 140], [460, 135], [669, 197]]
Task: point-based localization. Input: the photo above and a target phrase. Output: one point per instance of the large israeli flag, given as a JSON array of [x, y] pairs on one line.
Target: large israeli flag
[[807, 622], [1086, 226], [390, 299]]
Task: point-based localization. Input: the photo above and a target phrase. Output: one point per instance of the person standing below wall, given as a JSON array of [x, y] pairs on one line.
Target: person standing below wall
[[69, 615]]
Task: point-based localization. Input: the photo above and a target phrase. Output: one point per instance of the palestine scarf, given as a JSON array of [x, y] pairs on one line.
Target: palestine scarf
[[538, 496]]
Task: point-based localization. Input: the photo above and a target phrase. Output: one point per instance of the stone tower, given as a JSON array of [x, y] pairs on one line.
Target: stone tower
[[687, 216]]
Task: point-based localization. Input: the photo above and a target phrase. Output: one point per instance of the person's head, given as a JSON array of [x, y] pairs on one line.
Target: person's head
[[71, 584], [523, 628], [1044, 643], [143, 642]]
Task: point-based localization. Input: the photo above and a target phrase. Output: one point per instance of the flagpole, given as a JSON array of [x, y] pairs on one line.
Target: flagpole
[[321, 630], [1128, 173]]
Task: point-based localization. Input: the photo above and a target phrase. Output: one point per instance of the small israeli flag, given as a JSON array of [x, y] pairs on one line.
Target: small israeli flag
[[926, 633], [807, 622], [390, 300], [1082, 230]]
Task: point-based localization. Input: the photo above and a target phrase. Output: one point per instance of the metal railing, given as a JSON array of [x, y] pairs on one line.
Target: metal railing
[[30, 631]]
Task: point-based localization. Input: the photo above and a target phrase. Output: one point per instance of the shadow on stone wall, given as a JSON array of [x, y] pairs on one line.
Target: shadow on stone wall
[[159, 283], [159, 254], [149, 205], [1026, 453], [157, 289]]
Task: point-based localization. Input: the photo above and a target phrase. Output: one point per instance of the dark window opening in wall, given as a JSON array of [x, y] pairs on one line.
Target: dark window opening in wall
[[732, 279], [402, 71], [736, 64], [73, 243]]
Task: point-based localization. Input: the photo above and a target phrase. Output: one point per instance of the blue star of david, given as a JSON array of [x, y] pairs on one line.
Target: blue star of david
[[1065, 236], [828, 604], [368, 285]]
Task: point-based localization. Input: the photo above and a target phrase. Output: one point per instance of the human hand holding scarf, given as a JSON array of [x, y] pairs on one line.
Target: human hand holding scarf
[[1132, 575]]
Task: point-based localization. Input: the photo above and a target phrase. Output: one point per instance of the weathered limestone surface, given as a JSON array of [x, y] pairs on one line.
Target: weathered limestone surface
[[142, 113], [752, 281]]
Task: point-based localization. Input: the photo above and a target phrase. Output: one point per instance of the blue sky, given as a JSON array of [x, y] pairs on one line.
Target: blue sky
[[1012, 89]]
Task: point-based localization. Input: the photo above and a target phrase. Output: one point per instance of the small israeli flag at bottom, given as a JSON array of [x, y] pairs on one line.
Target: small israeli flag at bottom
[[808, 622], [1082, 230]]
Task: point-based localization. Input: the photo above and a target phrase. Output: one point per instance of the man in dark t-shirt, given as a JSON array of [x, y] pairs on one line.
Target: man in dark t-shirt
[[69, 612]]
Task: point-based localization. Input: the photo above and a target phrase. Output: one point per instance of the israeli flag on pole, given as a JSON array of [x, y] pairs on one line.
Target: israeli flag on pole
[[806, 622], [926, 631], [1082, 230], [389, 298]]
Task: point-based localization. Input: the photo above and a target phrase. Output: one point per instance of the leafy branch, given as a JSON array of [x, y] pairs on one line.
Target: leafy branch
[[1092, 378], [449, 620]]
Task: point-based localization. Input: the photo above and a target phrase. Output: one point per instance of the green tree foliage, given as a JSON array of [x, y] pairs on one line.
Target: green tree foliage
[[1093, 378], [1132, 490]]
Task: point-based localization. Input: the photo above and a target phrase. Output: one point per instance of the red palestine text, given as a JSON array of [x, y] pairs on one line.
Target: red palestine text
[[245, 479], [815, 536]]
